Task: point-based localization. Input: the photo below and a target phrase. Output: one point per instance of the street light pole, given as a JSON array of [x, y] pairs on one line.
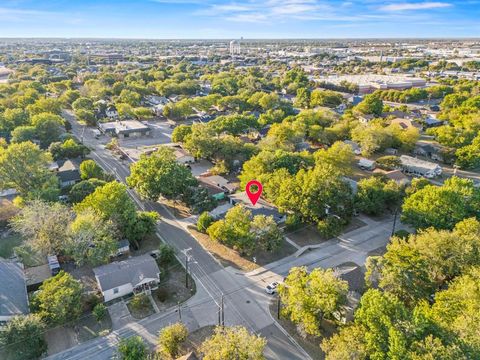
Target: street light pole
[[187, 259], [394, 220]]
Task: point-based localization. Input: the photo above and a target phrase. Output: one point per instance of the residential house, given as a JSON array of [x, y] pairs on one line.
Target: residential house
[[134, 275], [13, 291], [262, 207], [365, 119], [213, 190], [355, 147], [68, 171], [430, 149], [111, 112], [405, 123], [221, 182], [418, 167], [182, 156]]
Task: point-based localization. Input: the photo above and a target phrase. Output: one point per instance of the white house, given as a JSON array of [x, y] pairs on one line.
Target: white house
[[111, 112], [134, 275], [13, 291], [183, 157]]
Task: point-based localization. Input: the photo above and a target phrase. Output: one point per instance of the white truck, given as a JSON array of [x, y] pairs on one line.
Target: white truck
[[417, 167], [366, 164]]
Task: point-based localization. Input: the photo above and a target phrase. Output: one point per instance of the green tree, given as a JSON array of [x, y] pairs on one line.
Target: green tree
[[22, 338], [302, 100], [45, 225], [180, 133], [339, 155], [82, 103], [348, 344], [326, 98], [458, 308], [371, 104], [23, 133], [132, 348], [91, 239], [233, 343], [112, 202], [24, 167], [266, 232], [45, 105], [309, 297], [81, 190], [234, 230], [59, 299], [374, 195], [159, 174], [441, 206], [167, 254], [89, 169], [171, 338], [86, 116], [48, 128]]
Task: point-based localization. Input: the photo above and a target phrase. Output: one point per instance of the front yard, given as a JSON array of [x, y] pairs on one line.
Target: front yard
[[229, 257]]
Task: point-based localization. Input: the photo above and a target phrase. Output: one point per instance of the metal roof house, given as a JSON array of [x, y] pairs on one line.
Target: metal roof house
[[13, 291], [134, 275]]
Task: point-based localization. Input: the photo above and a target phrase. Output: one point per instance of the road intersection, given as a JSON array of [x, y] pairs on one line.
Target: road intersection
[[244, 299]]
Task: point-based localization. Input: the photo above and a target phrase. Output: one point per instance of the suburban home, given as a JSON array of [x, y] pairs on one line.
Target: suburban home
[[182, 156], [405, 123], [111, 112], [213, 190], [125, 128], [430, 149], [365, 119], [134, 275], [219, 181], [260, 208], [418, 167], [67, 171], [355, 147], [13, 291]]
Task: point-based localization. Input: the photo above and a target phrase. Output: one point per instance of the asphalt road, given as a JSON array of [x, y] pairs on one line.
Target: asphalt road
[[244, 299]]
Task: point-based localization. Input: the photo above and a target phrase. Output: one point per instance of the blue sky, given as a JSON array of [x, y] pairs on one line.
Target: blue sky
[[234, 19]]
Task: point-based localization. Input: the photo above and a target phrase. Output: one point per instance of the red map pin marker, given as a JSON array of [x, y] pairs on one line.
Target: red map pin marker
[[256, 195]]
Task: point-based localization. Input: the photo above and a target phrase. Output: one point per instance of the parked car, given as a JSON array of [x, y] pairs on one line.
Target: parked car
[[271, 288]]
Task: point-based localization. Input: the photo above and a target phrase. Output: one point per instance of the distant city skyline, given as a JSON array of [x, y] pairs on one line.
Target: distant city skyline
[[215, 19]]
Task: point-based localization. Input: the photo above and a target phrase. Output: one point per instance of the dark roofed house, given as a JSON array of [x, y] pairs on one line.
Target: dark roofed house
[[134, 275], [68, 172], [260, 208], [13, 291]]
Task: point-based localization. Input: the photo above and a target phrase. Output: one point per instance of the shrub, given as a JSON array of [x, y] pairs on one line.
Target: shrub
[[204, 221], [100, 312], [139, 302]]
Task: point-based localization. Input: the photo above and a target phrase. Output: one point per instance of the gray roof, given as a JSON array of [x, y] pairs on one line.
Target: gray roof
[[13, 289], [130, 271]]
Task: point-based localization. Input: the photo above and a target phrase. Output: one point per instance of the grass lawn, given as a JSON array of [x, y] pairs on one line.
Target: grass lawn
[[172, 288], [309, 235], [311, 344], [230, 257], [88, 327], [8, 241], [140, 307]]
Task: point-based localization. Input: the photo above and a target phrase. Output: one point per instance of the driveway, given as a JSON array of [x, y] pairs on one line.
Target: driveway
[[120, 315]]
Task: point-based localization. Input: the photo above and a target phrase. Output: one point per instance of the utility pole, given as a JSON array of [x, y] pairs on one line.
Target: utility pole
[[278, 307], [179, 311], [187, 259], [223, 313], [394, 220]]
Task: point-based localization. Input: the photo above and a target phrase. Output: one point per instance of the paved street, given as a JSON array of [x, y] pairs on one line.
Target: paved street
[[245, 301]]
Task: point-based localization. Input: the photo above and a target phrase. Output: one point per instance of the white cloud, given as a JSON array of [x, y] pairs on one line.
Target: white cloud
[[415, 6]]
